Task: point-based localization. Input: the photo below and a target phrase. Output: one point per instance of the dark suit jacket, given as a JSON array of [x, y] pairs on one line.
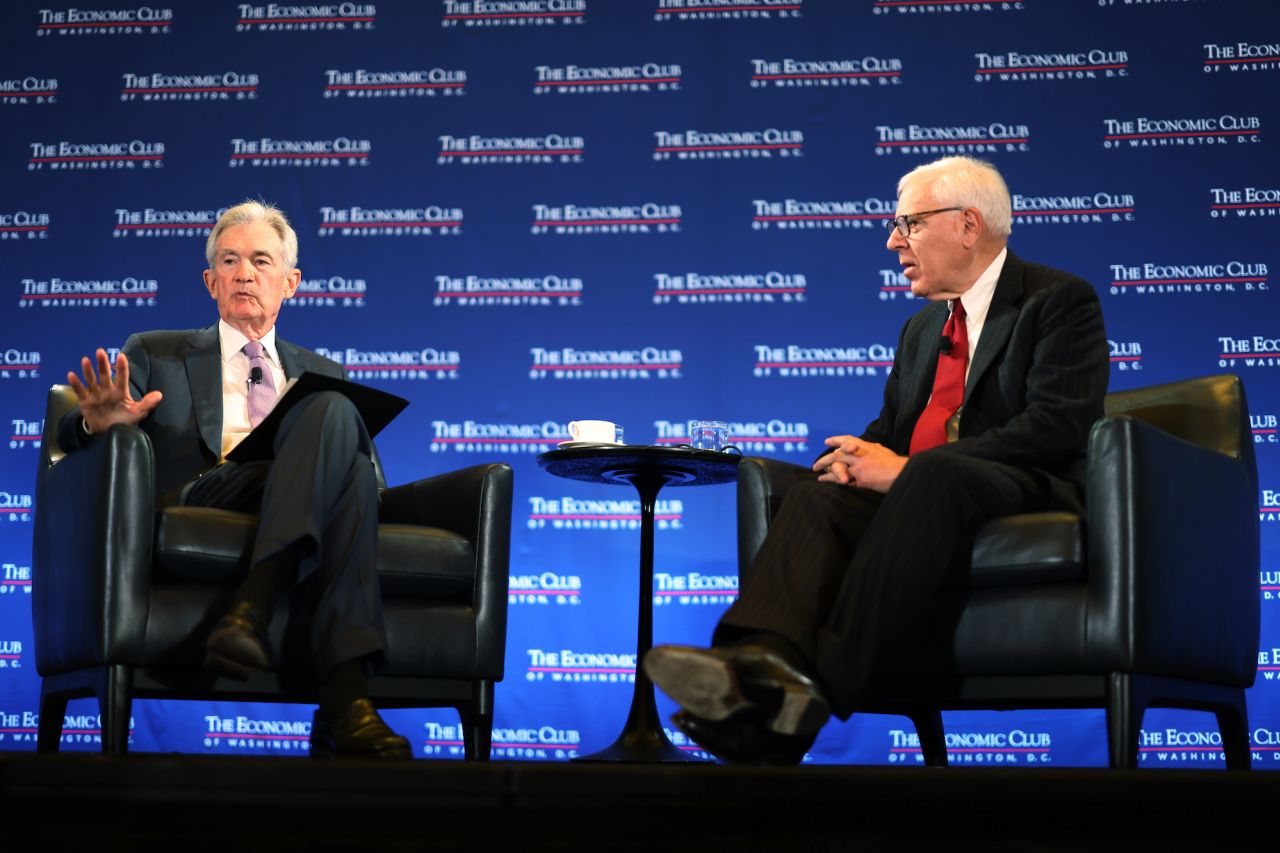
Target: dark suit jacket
[[186, 428], [1036, 384]]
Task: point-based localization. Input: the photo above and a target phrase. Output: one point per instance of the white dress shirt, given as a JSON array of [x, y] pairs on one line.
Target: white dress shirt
[[977, 302]]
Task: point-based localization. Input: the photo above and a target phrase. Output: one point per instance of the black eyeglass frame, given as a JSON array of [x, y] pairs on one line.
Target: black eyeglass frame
[[907, 222]]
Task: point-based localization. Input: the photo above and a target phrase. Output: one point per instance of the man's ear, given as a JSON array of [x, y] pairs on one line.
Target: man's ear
[[209, 283], [974, 227]]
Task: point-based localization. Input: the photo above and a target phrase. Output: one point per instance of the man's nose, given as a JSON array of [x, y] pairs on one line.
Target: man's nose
[[896, 241]]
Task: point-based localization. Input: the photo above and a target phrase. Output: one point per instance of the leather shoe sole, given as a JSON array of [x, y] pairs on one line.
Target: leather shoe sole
[[741, 740], [237, 645], [359, 733], [720, 682]]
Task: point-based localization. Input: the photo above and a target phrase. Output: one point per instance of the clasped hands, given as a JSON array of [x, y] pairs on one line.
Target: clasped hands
[[854, 462], [105, 400]]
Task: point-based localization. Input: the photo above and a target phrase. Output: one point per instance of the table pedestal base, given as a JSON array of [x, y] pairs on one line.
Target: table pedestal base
[[642, 738], [648, 469], [641, 746]]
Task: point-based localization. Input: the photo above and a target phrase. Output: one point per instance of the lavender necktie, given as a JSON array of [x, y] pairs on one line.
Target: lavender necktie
[[262, 394]]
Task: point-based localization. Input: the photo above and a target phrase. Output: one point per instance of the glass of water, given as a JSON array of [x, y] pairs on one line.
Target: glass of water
[[708, 435]]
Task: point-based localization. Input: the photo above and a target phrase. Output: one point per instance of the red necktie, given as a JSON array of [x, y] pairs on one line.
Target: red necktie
[[948, 384]]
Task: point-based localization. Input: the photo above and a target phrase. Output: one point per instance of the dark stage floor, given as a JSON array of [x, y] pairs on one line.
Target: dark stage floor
[[189, 803]]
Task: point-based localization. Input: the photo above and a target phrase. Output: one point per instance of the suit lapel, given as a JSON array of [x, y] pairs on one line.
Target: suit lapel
[[204, 375], [924, 361], [289, 361], [1000, 319]]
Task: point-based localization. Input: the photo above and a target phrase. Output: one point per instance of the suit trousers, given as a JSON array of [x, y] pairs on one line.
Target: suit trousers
[[318, 500], [845, 571]]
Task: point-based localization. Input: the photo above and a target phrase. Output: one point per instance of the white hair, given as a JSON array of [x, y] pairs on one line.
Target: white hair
[[255, 211], [966, 182]]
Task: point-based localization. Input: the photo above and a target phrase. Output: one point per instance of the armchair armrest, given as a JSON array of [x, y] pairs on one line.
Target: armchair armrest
[[1173, 555], [476, 503], [454, 501], [91, 551], [762, 484]]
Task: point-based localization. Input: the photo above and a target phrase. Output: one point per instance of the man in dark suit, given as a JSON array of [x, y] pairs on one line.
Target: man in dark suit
[[197, 393], [987, 411]]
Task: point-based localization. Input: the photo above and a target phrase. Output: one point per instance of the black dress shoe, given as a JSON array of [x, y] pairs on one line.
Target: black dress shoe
[[717, 683], [742, 739], [359, 733], [238, 644]]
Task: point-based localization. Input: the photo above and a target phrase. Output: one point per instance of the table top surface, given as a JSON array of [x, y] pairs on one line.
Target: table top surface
[[621, 463]]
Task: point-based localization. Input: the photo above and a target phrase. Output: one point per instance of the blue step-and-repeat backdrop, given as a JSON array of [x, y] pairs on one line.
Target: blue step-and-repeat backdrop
[[517, 213]]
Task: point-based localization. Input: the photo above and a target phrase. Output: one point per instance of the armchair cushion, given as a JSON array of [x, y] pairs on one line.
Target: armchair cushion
[[209, 546], [1034, 548]]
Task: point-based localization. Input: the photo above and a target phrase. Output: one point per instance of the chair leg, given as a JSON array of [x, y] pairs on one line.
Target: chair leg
[[115, 705], [933, 743], [477, 723], [1126, 704], [53, 710], [1233, 724]]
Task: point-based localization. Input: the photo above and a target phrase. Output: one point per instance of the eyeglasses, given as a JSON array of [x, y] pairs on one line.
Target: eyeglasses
[[908, 222]]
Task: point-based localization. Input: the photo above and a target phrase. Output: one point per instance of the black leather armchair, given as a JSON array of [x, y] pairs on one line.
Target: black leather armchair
[[123, 596], [1149, 600]]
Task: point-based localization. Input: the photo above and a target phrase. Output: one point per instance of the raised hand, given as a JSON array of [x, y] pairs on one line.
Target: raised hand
[[105, 400]]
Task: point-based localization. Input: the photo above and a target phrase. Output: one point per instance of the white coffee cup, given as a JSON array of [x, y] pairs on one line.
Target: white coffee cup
[[596, 432]]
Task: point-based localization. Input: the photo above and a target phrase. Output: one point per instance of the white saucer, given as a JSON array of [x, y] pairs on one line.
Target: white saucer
[[570, 445]]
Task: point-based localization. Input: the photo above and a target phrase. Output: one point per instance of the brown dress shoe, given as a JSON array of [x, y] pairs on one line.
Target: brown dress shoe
[[359, 733], [238, 644]]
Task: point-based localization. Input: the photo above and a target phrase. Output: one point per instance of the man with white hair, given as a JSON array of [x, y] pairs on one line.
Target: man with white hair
[[987, 410], [197, 393]]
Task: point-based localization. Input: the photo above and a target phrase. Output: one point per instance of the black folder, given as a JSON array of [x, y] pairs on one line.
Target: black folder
[[376, 407]]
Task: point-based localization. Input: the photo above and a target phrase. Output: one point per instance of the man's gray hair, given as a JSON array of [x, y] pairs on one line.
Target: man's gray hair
[[966, 182], [255, 211]]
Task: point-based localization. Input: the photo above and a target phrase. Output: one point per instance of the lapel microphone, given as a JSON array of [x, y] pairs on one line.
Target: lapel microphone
[[944, 346], [255, 373]]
